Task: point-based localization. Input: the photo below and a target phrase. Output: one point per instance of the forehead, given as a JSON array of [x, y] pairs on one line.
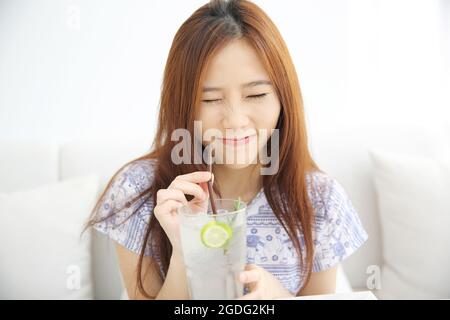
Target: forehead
[[236, 63]]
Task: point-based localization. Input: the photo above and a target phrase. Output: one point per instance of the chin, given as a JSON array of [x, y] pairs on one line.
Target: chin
[[237, 166], [239, 158]]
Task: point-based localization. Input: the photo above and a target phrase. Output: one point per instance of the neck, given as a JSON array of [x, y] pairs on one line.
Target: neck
[[233, 183]]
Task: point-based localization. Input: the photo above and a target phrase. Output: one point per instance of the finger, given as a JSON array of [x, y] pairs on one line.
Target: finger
[[251, 266], [195, 177], [250, 276], [168, 206], [188, 188], [165, 194], [204, 186]]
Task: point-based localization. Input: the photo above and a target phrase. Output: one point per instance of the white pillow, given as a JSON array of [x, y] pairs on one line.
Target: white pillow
[[413, 200], [42, 254]]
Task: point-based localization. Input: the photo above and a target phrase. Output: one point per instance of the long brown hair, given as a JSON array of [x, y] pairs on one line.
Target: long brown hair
[[205, 32]]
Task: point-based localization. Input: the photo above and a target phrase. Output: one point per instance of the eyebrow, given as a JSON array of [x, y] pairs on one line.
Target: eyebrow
[[245, 85]]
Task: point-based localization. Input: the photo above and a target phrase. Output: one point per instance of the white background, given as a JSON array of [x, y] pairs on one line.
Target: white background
[[72, 69]]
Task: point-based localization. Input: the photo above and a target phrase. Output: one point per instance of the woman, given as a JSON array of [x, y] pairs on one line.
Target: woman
[[230, 70]]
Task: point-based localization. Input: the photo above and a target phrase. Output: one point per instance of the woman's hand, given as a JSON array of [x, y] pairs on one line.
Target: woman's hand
[[262, 284], [170, 199]]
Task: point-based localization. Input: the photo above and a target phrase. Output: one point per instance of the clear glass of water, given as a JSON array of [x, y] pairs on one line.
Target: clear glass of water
[[214, 249]]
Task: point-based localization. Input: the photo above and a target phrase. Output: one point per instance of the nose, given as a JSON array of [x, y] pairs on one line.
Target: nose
[[235, 116]]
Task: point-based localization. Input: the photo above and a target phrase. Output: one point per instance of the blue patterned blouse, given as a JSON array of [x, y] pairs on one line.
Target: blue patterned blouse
[[337, 232]]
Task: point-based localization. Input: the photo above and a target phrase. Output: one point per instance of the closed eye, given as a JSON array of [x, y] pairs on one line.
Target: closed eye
[[211, 100], [257, 96], [253, 97]]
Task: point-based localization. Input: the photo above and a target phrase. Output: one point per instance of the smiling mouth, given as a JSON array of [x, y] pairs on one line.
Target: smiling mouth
[[237, 141]]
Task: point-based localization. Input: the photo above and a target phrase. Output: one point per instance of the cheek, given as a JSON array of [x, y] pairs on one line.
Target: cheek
[[266, 118], [267, 115], [207, 117]]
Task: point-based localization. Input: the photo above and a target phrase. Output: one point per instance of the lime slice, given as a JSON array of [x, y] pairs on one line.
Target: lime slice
[[216, 234]]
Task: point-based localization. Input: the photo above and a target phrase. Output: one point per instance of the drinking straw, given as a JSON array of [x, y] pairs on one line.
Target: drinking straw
[[210, 189]]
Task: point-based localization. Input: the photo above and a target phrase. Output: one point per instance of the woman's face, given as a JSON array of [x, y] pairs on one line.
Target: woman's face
[[238, 100]]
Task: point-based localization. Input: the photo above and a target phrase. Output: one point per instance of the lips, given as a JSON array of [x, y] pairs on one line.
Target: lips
[[237, 141]]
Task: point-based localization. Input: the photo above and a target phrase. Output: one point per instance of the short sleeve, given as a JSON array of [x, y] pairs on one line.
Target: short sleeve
[[338, 231], [120, 219]]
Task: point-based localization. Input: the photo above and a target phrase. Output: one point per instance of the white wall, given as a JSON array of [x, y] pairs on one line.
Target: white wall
[[92, 68], [71, 69]]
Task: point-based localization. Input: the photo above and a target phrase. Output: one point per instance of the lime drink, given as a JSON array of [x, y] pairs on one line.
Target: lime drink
[[214, 249]]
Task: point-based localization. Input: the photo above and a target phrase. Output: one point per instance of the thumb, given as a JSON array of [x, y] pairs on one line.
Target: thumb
[[251, 266]]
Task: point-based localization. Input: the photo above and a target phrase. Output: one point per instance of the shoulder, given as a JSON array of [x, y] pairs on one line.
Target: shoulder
[[123, 193], [137, 175], [123, 213], [324, 189], [331, 203]]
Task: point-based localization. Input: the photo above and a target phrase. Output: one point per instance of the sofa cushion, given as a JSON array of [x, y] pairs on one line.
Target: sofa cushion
[[413, 193], [43, 255]]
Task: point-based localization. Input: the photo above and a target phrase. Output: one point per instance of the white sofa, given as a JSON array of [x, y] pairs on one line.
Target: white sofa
[[342, 152]]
